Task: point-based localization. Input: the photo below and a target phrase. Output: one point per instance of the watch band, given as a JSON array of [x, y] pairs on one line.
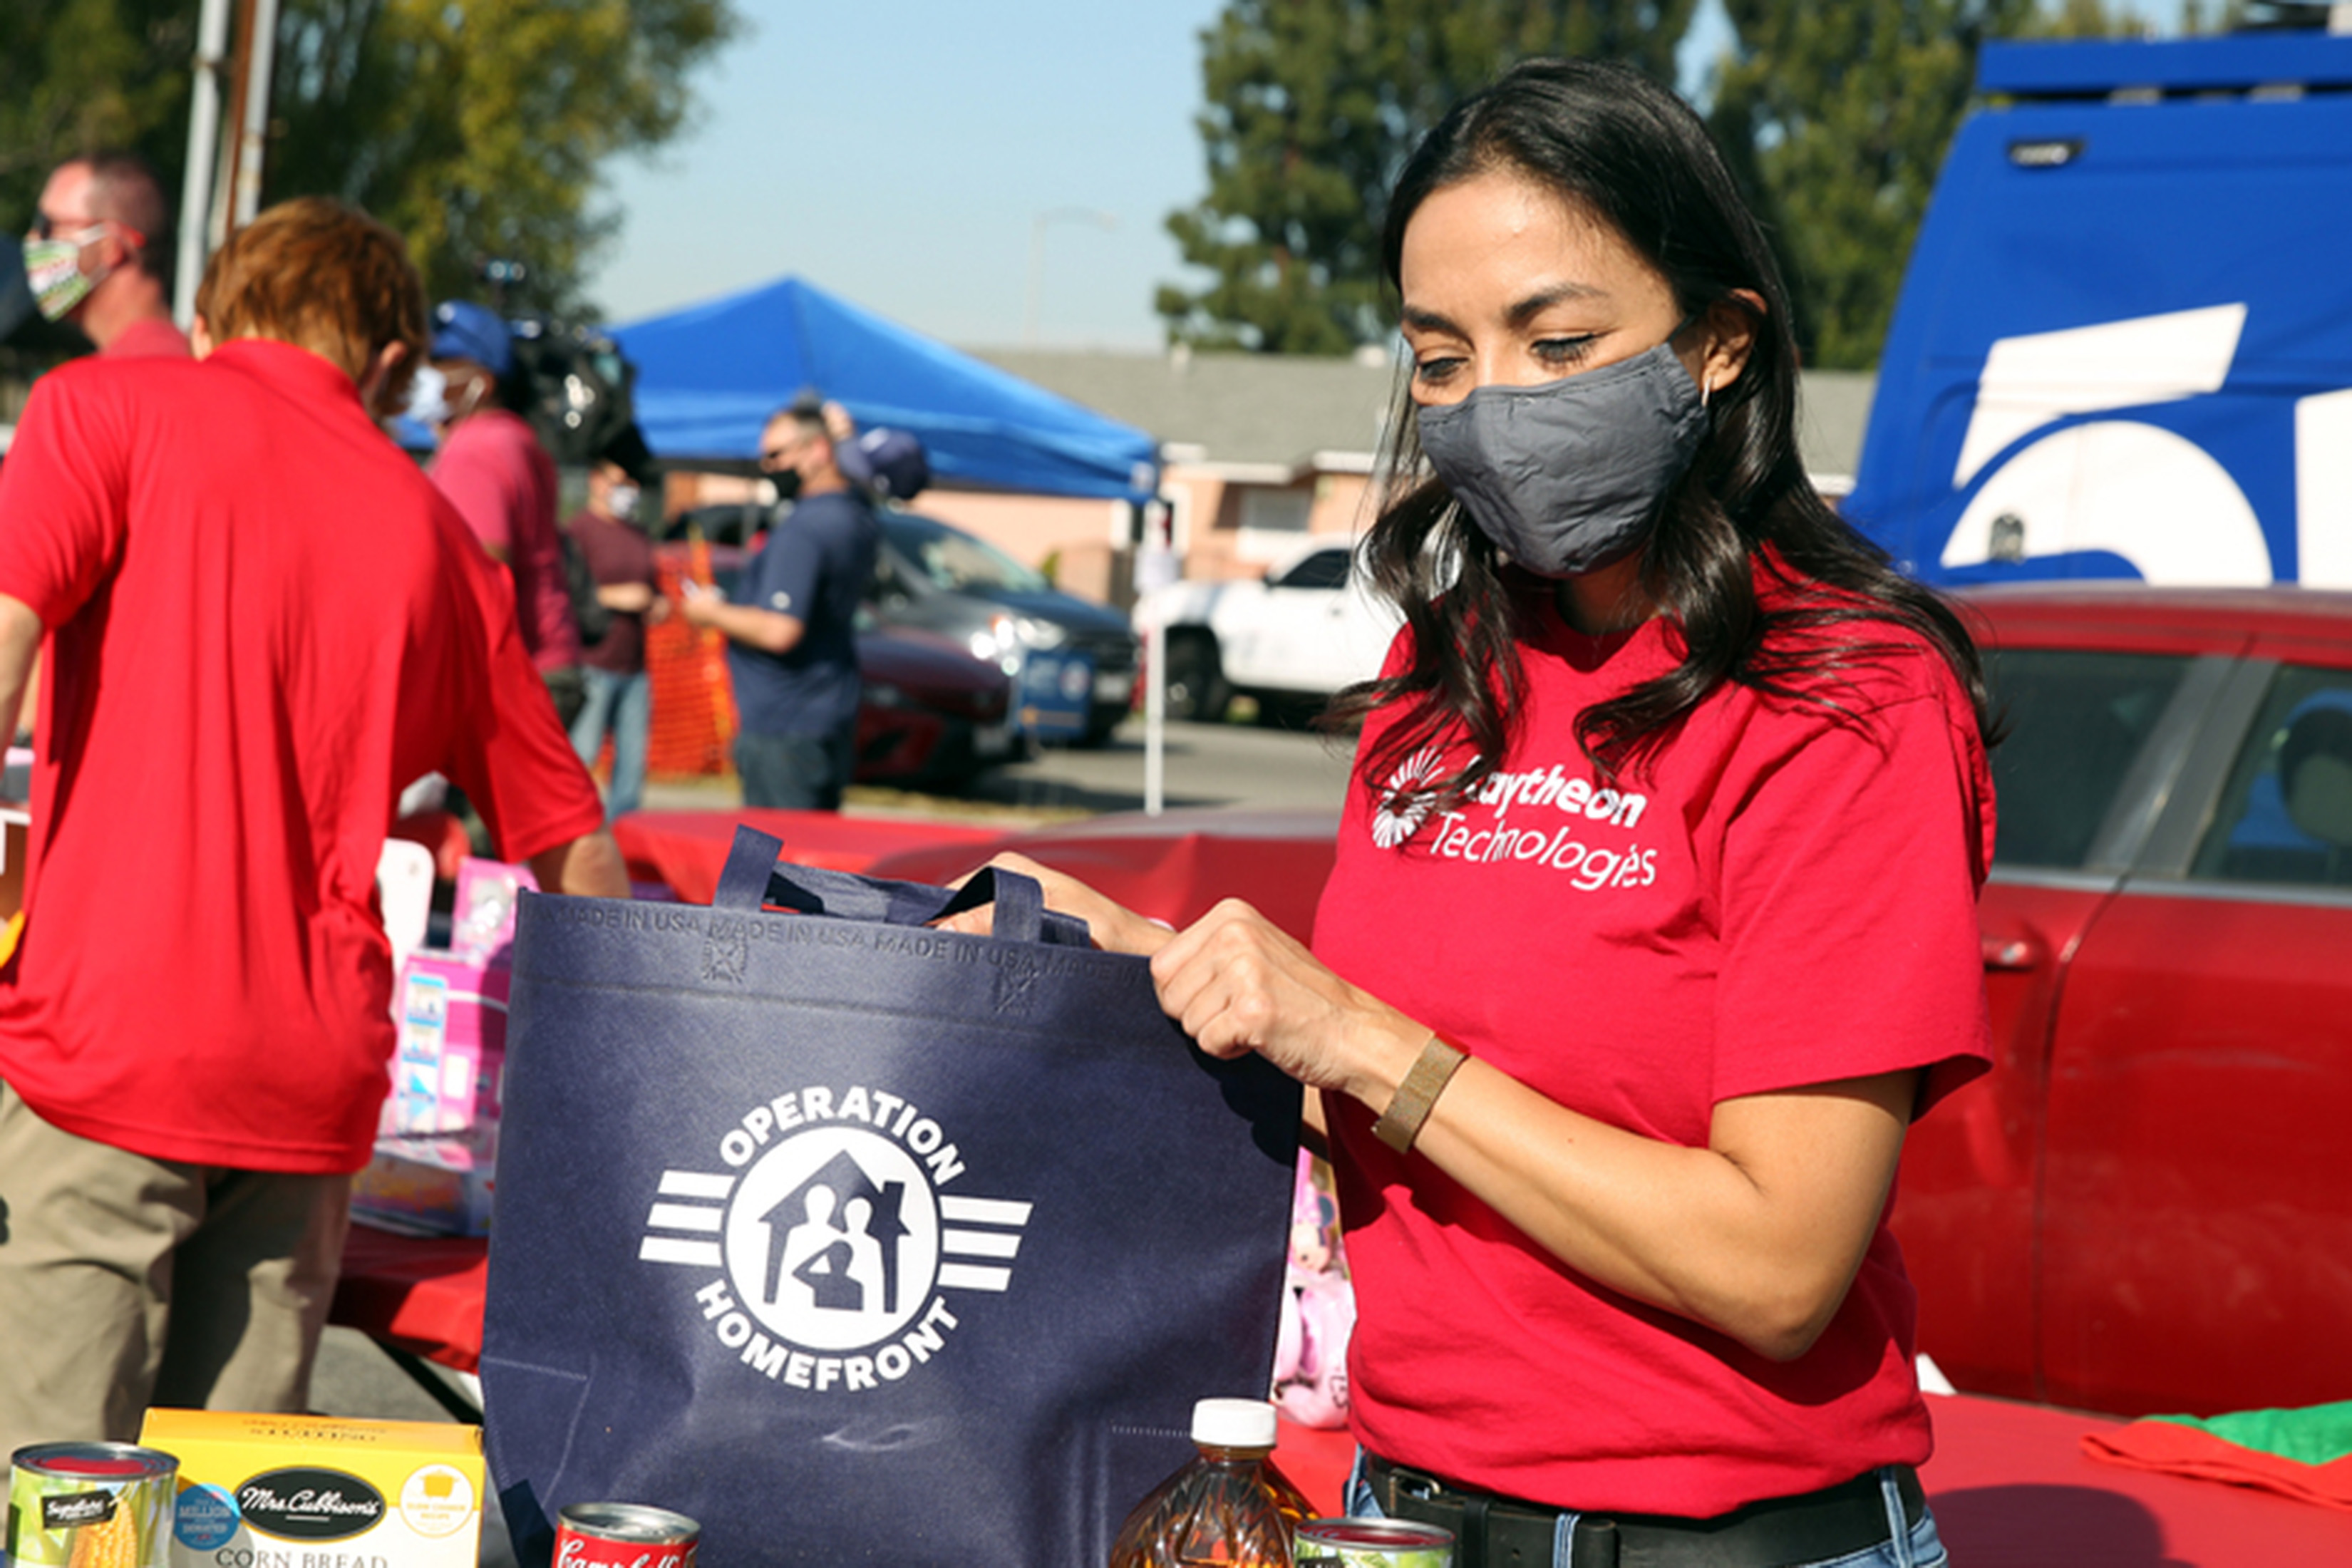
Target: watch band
[[1400, 1125]]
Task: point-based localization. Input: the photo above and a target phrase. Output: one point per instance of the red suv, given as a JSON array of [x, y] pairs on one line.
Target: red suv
[[2147, 1205]]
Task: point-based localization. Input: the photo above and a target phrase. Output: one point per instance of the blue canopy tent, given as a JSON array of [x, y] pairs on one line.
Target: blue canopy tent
[[710, 375], [2123, 347]]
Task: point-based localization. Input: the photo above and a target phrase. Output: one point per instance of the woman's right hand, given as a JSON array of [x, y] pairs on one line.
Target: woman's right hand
[[1115, 927], [1236, 982]]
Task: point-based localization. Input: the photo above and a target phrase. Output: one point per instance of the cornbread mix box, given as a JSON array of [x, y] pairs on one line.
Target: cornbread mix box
[[307, 1491]]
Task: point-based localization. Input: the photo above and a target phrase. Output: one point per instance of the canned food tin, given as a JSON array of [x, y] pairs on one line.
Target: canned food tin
[[1373, 1544], [624, 1535], [92, 1505]]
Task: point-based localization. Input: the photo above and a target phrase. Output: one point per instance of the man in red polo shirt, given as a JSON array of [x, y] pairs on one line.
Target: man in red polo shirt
[[263, 621], [99, 256]]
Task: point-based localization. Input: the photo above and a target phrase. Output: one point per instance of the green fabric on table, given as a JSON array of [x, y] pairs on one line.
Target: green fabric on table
[[2314, 1434], [2305, 1454]]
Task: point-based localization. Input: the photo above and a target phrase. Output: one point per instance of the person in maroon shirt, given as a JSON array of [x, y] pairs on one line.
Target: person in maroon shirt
[[502, 482], [262, 622], [98, 255], [619, 695]]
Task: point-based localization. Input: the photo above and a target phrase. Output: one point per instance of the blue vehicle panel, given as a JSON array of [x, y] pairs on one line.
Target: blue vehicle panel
[[2123, 347]]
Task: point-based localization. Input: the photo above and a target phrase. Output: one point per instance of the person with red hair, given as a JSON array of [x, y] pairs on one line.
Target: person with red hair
[[262, 621]]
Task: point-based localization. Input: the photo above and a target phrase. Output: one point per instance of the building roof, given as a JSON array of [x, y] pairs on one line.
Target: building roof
[[1226, 407], [1299, 411]]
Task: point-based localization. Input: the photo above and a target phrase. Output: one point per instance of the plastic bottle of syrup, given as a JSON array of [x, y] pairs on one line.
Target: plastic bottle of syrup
[[1229, 1506]]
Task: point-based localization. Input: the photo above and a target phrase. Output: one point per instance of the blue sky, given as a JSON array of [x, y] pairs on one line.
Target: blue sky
[[901, 152]]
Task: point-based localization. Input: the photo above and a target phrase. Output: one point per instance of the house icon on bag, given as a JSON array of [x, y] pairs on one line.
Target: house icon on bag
[[837, 1234]]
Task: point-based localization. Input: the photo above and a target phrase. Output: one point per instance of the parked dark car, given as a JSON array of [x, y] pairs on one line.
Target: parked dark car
[[1072, 661], [939, 579], [930, 715]]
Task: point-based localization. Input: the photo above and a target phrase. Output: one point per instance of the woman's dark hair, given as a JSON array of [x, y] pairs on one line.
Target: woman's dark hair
[[1617, 145]]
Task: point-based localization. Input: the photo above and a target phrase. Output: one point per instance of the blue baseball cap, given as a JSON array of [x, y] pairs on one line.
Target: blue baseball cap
[[463, 330], [890, 463]]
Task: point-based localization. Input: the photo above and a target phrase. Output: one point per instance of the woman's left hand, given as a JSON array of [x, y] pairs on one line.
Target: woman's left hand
[[1238, 982]]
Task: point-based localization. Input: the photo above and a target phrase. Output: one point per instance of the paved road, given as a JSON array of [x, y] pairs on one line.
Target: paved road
[[1206, 765]]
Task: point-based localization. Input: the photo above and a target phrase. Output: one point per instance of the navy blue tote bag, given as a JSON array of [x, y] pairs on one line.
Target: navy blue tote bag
[[860, 1241]]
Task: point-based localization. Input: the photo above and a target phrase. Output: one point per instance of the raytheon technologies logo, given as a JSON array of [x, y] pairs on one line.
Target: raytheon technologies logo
[[834, 1249]]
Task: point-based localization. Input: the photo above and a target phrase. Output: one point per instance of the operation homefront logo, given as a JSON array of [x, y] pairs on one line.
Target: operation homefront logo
[[833, 1248]]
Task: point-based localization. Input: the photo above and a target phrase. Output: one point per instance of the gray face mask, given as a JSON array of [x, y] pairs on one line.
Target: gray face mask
[[1566, 476]]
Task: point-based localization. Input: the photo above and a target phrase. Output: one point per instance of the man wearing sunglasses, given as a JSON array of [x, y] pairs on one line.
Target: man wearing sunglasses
[[98, 254], [792, 629]]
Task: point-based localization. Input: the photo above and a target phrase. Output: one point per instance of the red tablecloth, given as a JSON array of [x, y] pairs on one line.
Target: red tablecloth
[[1173, 867], [2011, 1484], [687, 850], [422, 1294], [2011, 1488]]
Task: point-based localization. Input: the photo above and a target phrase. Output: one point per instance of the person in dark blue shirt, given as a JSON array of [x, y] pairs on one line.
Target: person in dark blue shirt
[[792, 625]]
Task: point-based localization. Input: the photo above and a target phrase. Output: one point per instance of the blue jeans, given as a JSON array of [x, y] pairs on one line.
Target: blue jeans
[[795, 773], [1919, 1547], [624, 705]]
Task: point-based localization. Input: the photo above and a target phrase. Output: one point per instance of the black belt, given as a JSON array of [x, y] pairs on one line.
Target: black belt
[[1491, 1532]]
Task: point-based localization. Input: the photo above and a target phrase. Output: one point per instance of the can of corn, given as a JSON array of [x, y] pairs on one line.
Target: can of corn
[[90, 1505], [1373, 1544]]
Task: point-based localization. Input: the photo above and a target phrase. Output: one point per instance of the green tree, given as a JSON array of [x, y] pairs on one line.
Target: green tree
[[82, 73], [77, 75], [1837, 118], [1312, 106], [476, 127]]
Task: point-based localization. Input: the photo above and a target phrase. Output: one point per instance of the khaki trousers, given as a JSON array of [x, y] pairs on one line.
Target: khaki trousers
[[126, 1281]]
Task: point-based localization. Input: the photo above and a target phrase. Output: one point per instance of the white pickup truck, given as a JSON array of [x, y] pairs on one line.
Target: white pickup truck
[[1309, 628]]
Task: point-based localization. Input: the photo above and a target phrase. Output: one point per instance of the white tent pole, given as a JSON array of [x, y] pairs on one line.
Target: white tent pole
[[204, 141], [1155, 569], [1155, 721]]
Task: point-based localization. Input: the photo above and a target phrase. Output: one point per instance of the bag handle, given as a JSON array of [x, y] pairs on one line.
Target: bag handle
[[753, 878]]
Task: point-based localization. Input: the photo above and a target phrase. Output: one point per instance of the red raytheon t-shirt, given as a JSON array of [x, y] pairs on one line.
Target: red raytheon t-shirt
[[263, 621], [1780, 898], [502, 482]]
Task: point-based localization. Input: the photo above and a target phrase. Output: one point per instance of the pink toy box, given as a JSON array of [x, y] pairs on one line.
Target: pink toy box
[[482, 915], [437, 1146], [451, 1014]]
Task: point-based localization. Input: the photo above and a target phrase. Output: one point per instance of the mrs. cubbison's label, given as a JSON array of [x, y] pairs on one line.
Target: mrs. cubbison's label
[[292, 1491]]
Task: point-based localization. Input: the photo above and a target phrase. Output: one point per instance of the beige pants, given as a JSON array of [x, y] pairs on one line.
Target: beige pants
[[126, 1281]]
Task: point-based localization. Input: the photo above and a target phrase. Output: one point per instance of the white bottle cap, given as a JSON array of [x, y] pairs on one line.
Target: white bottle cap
[[1233, 1423]]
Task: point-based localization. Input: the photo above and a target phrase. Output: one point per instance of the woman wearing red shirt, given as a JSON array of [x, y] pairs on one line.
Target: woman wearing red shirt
[[1652, 925]]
